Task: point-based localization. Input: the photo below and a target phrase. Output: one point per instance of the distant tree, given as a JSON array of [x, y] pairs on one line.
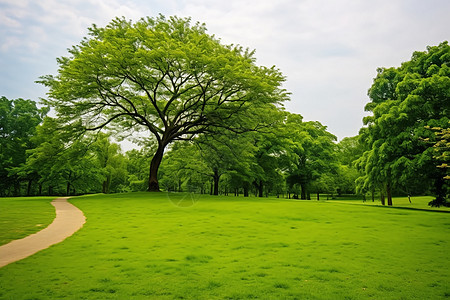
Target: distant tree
[[18, 121], [112, 163], [349, 150], [313, 151], [137, 162], [63, 167], [209, 157], [404, 101], [264, 151], [266, 169], [164, 76], [182, 163]]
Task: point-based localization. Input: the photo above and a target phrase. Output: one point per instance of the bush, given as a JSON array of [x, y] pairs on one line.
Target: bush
[[439, 203]]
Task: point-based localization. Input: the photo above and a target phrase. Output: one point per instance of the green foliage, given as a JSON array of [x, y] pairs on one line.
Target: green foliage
[[206, 161], [164, 76], [112, 164], [137, 164], [286, 148], [63, 167], [441, 147], [349, 150], [140, 246], [18, 121], [404, 101], [313, 151]]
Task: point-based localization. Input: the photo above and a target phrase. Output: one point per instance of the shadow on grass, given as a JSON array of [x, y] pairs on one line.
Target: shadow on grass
[[413, 208]]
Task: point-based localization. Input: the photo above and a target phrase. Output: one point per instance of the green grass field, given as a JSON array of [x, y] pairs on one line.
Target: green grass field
[[23, 216], [159, 246]]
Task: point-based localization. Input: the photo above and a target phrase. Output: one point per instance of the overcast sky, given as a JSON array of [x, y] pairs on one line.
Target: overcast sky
[[329, 50]]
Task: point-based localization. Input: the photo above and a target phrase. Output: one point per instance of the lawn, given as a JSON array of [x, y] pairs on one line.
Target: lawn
[[22, 216], [168, 246]]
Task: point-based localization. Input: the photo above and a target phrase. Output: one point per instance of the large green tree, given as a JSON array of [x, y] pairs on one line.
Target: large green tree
[[165, 76], [404, 101]]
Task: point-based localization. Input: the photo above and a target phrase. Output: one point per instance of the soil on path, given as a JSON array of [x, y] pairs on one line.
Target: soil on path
[[67, 221]]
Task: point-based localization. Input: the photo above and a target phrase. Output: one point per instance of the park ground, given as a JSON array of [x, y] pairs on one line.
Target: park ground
[[182, 246]]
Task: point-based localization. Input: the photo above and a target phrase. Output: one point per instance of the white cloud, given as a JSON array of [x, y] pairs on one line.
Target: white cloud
[[7, 21]]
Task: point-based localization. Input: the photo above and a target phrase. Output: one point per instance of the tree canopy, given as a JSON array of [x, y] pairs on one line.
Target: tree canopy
[[18, 121], [405, 101], [165, 76]]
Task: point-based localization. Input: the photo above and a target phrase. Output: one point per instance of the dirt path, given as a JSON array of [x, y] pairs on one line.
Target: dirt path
[[67, 221]]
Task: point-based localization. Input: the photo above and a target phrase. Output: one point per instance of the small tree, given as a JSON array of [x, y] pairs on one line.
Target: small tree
[[442, 153], [165, 76]]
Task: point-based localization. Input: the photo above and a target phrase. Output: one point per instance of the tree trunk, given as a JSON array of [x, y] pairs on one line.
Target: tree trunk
[[388, 193], [153, 185], [439, 188], [382, 197], [318, 197], [40, 189], [245, 186], [245, 190], [29, 187], [68, 188], [260, 189], [216, 178], [303, 195], [16, 188], [108, 183], [373, 195]]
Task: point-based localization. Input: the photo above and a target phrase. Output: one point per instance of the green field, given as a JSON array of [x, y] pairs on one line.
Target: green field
[[22, 216], [168, 246]]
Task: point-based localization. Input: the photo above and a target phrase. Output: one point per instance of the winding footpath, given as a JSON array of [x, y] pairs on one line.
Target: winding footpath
[[68, 220]]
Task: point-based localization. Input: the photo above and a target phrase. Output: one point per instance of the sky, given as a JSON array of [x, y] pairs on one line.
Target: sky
[[329, 50]]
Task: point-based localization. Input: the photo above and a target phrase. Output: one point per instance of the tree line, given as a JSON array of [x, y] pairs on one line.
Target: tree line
[[212, 121], [291, 157]]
